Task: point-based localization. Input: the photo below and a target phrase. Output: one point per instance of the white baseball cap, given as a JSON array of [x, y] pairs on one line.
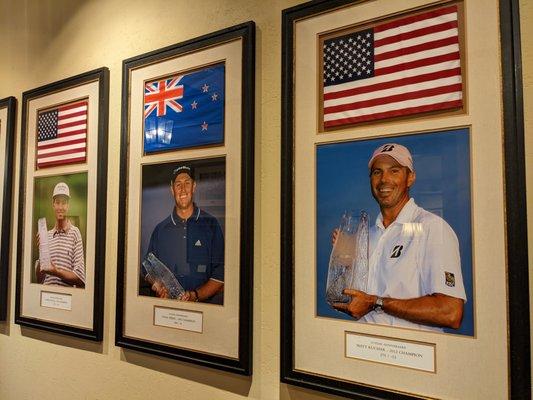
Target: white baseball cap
[[61, 189], [397, 151]]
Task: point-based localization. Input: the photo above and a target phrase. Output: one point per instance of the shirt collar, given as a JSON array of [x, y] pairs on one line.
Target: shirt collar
[[405, 215], [175, 217], [56, 231]]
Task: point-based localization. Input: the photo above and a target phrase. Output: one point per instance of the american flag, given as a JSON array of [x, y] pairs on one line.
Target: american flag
[[159, 95], [62, 135], [407, 66]]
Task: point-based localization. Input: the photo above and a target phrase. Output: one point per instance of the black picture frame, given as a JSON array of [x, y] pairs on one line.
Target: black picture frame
[[10, 104], [242, 364], [100, 78], [515, 209]]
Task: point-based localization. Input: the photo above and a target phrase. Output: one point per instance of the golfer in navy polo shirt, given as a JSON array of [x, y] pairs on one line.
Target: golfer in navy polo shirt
[[190, 243]]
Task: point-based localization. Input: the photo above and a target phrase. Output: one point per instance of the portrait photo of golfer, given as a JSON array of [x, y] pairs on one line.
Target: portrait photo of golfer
[[182, 244], [415, 190], [60, 214]]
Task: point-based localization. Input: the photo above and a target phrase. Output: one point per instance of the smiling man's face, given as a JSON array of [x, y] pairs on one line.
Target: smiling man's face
[[183, 190], [60, 206], [390, 182]]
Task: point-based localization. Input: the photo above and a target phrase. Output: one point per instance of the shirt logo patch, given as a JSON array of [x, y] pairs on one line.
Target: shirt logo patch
[[450, 279], [397, 251], [198, 243], [202, 268]]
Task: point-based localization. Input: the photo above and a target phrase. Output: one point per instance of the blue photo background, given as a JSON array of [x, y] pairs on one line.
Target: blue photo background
[[442, 165]]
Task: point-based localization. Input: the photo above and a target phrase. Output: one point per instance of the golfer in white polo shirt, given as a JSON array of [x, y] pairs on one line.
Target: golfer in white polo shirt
[[65, 243], [414, 277]]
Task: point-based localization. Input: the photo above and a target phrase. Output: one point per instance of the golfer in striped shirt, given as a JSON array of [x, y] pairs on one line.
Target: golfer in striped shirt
[[65, 243]]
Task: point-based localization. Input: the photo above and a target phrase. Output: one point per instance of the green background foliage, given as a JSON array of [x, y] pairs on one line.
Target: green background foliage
[[42, 206]]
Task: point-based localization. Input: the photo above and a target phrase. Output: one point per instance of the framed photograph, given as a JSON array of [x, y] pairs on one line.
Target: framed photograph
[[392, 147], [62, 200], [185, 256], [8, 109], [441, 161]]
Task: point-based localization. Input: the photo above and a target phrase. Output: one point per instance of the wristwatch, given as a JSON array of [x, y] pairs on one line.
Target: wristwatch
[[378, 305]]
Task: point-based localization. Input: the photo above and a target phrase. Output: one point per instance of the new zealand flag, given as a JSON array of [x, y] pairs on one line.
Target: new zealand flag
[[185, 110]]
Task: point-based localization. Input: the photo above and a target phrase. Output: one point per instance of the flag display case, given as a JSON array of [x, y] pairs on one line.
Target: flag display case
[[386, 104], [8, 109], [185, 251], [62, 206]]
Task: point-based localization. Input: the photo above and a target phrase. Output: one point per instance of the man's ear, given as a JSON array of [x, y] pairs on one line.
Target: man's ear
[[411, 178]]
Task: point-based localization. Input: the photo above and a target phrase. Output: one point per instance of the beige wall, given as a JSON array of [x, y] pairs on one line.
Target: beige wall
[[42, 41]]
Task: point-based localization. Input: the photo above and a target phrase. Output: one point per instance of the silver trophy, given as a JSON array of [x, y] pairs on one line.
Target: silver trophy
[[158, 272], [348, 263], [44, 247]]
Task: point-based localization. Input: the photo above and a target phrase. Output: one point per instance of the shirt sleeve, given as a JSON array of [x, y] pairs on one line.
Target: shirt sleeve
[[217, 254], [78, 258], [441, 261]]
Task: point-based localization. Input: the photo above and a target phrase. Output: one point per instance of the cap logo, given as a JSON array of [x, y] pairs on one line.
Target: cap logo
[[61, 189], [180, 168], [400, 153]]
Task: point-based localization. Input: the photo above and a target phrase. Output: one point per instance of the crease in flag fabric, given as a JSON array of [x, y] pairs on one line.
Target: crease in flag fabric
[[406, 66], [62, 135], [185, 110]]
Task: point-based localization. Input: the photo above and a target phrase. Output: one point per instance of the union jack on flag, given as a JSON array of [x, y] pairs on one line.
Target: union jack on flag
[[159, 95]]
